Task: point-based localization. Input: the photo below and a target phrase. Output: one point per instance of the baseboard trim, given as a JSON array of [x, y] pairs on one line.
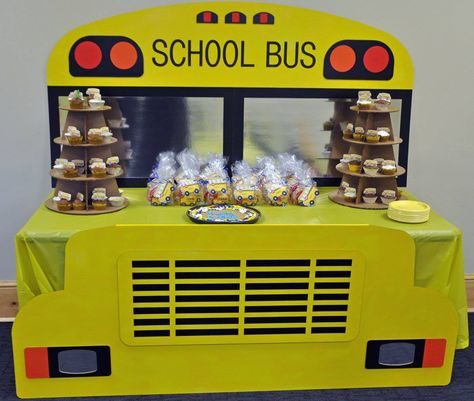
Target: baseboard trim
[[9, 299]]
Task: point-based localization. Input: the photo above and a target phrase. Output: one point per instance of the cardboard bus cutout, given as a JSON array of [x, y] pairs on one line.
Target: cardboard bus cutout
[[262, 308]]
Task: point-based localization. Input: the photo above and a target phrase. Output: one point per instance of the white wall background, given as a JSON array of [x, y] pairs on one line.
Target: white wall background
[[439, 35]]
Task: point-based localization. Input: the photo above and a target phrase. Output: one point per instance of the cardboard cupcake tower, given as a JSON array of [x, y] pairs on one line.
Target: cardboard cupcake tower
[[370, 120], [342, 115], [85, 119]]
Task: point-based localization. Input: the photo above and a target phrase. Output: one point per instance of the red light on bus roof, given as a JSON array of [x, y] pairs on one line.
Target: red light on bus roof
[[123, 55], [376, 59], [342, 58], [88, 55]]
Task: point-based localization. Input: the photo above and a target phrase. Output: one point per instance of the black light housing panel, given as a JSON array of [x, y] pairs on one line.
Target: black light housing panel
[[105, 56], [359, 59]]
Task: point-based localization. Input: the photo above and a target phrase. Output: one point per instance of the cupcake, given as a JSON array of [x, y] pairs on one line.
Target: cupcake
[[94, 135], [98, 169], [388, 196], [63, 201], [90, 92], [348, 131], [384, 134], [358, 134], [106, 134], [369, 195], [73, 135], [96, 102], [79, 165], [379, 161], [346, 158], [388, 167], [343, 186], [70, 170], [99, 189], [355, 163], [113, 166], [364, 102], [94, 160], [79, 203], [372, 136], [99, 200], [76, 100], [59, 165], [370, 167], [383, 101], [350, 194], [116, 201]]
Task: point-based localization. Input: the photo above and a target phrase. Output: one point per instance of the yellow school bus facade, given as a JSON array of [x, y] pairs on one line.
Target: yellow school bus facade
[[182, 308]]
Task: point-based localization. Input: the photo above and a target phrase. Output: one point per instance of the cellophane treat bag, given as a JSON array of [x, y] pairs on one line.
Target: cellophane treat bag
[[216, 181], [246, 191], [306, 189], [289, 165], [273, 185], [189, 191], [161, 185]]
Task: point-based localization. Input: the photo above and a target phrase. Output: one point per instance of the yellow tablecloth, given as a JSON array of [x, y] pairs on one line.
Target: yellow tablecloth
[[40, 244]]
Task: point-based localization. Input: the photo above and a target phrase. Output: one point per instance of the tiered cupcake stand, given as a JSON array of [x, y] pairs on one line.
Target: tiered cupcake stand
[[85, 119], [370, 120]]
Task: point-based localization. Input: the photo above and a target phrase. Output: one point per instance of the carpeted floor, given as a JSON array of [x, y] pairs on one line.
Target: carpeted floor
[[460, 389]]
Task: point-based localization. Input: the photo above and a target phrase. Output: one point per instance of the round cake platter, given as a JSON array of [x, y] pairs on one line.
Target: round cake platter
[[223, 214]]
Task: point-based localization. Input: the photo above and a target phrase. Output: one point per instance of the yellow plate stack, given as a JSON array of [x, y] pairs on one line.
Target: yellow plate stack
[[407, 211]]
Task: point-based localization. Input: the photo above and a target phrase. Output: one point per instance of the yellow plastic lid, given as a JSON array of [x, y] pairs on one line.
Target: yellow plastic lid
[[407, 211]]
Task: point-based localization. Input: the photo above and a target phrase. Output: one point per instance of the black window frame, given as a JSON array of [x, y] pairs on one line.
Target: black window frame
[[233, 124]]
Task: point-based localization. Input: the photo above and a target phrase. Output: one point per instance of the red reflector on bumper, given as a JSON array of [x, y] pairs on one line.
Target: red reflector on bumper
[[36, 363], [433, 356]]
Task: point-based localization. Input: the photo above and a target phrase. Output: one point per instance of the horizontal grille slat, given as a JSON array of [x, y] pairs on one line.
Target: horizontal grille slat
[[207, 332], [278, 330], [207, 309], [276, 286], [207, 263], [331, 285], [149, 276], [277, 297], [276, 308], [206, 287], [150, 263], [151, 322], [276, 319], [328, 330], [141, 299], [207, 298], [324, 273], [334, 262], [213, 320], [152, 333], [331, 297], [150, 311], [279, 274], [329, 308], [278, 262], [329, 319], [207, 275], [151, 287]]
